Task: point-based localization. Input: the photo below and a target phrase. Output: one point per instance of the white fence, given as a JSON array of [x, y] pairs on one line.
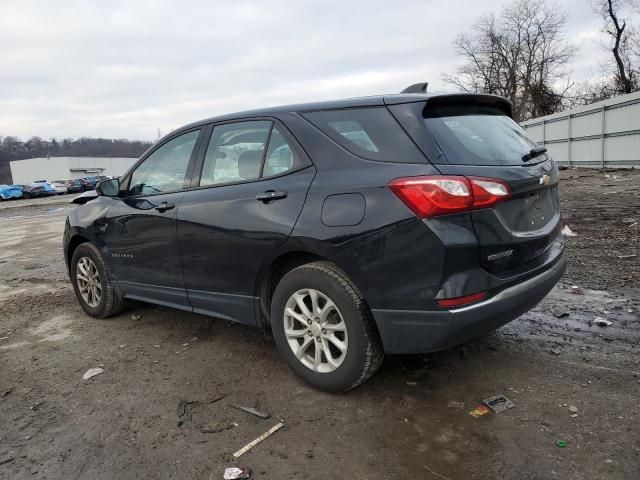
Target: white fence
[[604, 134]]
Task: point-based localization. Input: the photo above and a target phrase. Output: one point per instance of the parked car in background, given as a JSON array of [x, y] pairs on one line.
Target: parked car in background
[[87, 183], [38, 189], [8, 192], [60, 186], [74, 186], [356, 228]]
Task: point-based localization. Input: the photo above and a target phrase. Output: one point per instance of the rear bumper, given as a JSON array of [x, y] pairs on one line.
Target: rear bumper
[[416, 331]]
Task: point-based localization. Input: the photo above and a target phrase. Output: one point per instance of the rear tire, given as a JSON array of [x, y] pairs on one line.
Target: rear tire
[[332, 344], [91, 283]]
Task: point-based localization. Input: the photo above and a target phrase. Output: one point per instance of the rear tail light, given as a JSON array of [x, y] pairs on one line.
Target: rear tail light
[[441, 195]]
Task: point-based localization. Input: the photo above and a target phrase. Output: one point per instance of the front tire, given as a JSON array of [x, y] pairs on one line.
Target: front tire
[[323, 328], [91, 283]]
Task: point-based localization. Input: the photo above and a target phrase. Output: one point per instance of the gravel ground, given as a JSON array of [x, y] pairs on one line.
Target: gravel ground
[[161, 407]]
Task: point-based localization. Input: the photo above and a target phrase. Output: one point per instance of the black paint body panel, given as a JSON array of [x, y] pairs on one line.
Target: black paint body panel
[[214, 251]]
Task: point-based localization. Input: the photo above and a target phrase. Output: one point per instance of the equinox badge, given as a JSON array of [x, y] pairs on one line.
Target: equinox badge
[[497, 256]]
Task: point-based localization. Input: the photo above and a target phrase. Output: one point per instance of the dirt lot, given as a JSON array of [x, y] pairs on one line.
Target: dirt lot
[[160, 409]]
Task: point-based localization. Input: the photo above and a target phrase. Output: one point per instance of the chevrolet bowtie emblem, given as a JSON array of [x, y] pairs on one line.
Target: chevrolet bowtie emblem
[[545, 179]]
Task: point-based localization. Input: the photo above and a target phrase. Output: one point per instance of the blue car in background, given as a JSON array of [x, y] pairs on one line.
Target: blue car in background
[[8, 192]]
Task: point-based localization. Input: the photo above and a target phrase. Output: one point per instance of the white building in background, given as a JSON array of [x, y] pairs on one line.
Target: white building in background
[[603, 134], [65, 168]]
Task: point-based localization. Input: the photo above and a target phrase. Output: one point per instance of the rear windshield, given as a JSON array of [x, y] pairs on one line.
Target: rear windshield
[[473, 135], [369, 132]]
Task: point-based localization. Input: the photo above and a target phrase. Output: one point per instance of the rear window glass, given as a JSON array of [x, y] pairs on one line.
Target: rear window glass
[[479, 136], [369, 132]]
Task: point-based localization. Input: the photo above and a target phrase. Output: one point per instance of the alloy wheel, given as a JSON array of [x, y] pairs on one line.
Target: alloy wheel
[[315, 330], [89, 281]]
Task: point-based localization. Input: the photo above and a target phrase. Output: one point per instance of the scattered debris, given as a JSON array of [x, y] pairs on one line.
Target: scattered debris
[[7, 460], [498, 403], [454, 404], [136, 317], [602, 322], [625, 257], [250, 410], [555, 351], [479, 411], [560, 313], [262, 437], [435, 473], [573, 409], [4, 338], [124, 345], [413, 384], [561, 443], [234, 473], [577, 290], [92, 372], [567, 232]]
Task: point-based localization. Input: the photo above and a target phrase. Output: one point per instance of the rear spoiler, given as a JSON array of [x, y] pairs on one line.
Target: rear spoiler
[[470, 99]]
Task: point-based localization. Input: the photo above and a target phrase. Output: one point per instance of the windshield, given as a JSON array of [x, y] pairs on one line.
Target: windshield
[[474, 137]]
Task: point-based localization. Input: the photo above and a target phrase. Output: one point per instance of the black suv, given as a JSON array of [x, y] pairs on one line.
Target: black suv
[[392, 224]]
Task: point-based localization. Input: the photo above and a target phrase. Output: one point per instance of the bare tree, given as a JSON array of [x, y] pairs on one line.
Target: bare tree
[[623, 41], [520, 53]]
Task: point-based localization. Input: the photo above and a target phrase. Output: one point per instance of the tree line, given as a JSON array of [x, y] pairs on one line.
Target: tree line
[[523, 53], [12, 148]]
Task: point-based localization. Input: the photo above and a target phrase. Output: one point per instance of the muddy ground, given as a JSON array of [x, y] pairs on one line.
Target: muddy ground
[[160, 409]]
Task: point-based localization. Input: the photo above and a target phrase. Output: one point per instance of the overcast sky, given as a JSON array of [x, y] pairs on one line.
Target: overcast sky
[[126, 68]]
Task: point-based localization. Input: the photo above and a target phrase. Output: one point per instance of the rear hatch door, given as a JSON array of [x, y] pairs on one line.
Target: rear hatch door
[[474, 136]]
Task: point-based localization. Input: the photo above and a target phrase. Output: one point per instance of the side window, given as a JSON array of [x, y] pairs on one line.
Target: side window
[[165, 169], [235, 152], [281, 157], [370, 132]]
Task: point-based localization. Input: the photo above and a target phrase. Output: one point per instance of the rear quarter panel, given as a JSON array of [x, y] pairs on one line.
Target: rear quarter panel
[[390, 255]]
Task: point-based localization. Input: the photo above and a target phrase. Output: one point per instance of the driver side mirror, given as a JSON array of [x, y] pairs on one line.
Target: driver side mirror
[[108, 188]]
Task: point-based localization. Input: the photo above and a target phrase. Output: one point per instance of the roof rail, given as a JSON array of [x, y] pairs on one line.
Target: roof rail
[[416, 88]]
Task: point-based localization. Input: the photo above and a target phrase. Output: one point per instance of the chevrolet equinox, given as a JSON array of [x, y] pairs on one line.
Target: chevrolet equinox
[[351, 229]]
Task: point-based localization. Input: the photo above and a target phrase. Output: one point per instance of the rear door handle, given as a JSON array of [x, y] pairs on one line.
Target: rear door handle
[[164, 206], [270, 195]]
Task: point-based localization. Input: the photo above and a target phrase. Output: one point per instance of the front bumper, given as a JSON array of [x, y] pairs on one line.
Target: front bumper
[[417, 331]]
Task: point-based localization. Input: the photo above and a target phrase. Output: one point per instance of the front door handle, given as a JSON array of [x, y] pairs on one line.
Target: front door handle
[[164, 206], [270, 195]]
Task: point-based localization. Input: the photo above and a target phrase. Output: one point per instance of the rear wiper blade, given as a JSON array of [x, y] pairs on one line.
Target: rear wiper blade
[[533, 153]]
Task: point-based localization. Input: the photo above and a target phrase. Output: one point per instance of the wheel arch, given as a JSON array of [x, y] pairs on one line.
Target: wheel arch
[[273, 270], [74, 242]]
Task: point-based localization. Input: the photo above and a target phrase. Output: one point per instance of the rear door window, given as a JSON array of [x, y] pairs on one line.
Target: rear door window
[[470, 135], [246, 151], [235, 152], [369, 132]]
